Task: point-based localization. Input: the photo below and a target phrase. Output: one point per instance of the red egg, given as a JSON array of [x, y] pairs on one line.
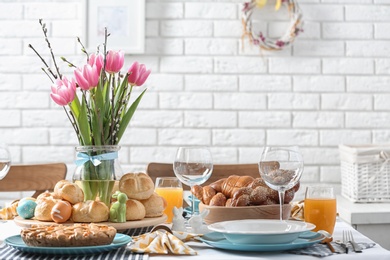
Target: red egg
[[61, 211]]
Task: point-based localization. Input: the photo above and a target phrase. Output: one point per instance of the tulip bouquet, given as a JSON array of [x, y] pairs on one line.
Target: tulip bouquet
[[103, 113], [96, 101]]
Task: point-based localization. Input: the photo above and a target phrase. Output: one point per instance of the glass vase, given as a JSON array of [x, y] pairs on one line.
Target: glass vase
[[97, 170]]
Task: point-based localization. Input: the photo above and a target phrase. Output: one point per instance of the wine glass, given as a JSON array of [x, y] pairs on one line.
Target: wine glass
[[281, 168], [5, 160], [193, 165]]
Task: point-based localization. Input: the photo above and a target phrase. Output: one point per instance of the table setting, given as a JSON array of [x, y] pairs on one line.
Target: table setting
[[189, 235], [244, 235]]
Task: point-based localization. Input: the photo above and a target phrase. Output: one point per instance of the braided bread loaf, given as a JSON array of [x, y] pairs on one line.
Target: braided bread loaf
[[240, 191]]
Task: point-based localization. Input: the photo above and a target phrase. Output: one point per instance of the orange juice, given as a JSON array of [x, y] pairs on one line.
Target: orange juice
[[321, 212], [173, 196]]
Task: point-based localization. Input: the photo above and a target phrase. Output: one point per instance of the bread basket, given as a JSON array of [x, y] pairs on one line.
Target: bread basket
[[220, 213]]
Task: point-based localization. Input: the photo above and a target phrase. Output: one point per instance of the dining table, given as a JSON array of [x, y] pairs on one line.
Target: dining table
[[10, 228]]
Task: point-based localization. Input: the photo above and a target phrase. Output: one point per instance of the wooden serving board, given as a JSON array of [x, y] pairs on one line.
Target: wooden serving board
[[146, 222]]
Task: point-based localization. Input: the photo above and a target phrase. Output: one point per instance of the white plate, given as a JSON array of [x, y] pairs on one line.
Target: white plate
[[261, 231]]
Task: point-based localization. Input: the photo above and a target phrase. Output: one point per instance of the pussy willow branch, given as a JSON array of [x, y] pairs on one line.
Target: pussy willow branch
[[89, 114], [47, 74], [122, 104], [105, 48], [44, 62], [83, 48], [44, 29], [112, 108], [73, 122], [70, 64]]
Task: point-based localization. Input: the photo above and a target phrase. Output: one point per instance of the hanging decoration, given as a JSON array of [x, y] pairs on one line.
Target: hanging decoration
[[258, 38]]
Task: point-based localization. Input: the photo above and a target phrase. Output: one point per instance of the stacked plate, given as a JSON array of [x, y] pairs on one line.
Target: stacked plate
[[261, 235]]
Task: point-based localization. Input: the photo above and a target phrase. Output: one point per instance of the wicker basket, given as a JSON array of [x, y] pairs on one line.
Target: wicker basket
[[365, 173]]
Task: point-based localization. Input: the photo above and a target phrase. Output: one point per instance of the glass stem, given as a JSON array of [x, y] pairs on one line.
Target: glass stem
[[281, 202], [192, 204]]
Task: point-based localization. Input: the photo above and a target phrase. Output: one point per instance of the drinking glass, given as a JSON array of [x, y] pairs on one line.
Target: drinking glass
[[193, 165], [171, 190], [5, 160], [281, 168], [320, 207]]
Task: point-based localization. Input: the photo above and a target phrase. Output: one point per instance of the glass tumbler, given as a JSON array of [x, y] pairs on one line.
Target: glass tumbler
[[320, 208], [170, 188]]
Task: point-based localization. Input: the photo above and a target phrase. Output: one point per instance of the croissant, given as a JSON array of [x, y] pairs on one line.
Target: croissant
[[240, 191], [204, 194], [226, 186], [235, 182]]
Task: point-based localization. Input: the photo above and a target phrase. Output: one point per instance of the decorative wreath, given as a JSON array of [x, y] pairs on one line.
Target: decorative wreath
[[294, 28]]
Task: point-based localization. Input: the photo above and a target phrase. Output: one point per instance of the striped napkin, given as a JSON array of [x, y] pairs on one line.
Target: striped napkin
[[322, 250], [10, 253], [163, 242]]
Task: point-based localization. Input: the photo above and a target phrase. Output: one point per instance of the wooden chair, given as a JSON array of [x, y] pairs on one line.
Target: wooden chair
[[33, 177], [155, 170]]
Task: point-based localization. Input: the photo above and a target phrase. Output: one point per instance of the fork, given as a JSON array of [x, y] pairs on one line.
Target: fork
[[345, 242], [351, 240]]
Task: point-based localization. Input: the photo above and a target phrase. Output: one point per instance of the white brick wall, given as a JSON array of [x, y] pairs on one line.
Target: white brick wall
[[208, 87]]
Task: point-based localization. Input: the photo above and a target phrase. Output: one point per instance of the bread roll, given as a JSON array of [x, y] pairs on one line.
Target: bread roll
[[154, 206], [69, 191], [138, 186], [135, 210], [44, 207], [90, 211], [47, 194]]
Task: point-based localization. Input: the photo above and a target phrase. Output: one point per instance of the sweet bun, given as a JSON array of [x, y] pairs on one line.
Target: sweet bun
[[138, 186], [47, 194], [44, 207], [154, 206], [90, 211], [69, 191], [135, 210]]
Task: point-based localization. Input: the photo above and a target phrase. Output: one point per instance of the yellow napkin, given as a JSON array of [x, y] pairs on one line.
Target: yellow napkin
[[162, 242]]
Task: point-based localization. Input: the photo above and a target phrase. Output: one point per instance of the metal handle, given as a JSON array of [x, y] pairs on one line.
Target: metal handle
[[356, 247]]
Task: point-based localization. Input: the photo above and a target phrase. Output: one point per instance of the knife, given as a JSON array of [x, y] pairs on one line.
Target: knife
[[356, 247]]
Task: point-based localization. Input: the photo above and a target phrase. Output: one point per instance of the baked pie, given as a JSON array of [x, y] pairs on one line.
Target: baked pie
[[75, 235]]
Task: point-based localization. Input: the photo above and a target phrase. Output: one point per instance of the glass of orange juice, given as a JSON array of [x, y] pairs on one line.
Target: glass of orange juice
[[320, 208], [171, 190]]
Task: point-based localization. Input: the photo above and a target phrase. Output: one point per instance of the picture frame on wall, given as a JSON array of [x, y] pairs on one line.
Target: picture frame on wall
[[124, 20]]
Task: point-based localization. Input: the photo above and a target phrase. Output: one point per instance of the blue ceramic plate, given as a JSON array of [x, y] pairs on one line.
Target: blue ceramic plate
[[18, 243], [306, 239]]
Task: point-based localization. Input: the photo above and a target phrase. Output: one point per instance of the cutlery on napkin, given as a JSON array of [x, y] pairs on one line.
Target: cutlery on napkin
[[163, 242]]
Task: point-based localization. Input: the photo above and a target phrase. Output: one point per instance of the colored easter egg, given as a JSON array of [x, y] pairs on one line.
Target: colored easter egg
[[26, 209], [27, 198], [61, 211]]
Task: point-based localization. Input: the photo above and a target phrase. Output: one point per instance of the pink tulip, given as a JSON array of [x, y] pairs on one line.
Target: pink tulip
[[63, 91], [138, 74], [96, 59], [114, 61], [87, 77]]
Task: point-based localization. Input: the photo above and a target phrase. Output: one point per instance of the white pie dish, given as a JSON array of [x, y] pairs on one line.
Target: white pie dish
[[261, 231]]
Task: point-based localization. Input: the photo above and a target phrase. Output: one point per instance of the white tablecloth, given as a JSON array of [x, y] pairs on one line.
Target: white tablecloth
[[9, 228]]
